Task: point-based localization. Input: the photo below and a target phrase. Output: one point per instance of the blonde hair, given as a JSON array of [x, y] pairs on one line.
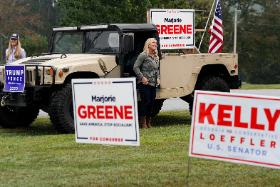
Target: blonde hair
[[146, 48], [17, 52]]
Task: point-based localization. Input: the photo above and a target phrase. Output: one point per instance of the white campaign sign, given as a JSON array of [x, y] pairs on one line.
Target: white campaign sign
[[237, 128], [105, 111], [175, 27]]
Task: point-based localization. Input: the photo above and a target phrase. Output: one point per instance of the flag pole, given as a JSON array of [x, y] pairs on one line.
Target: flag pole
[[235, 31], [214, 2]]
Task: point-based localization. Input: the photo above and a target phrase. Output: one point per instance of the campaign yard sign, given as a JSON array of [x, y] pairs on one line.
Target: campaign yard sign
[[105, 111], [14, 78], [236, 128], [175, 27]]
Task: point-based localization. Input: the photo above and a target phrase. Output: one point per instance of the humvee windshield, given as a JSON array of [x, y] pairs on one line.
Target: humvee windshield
[[68, 42], [98, 41]]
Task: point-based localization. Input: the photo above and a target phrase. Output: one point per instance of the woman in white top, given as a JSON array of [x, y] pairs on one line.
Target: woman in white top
[[14, 51]]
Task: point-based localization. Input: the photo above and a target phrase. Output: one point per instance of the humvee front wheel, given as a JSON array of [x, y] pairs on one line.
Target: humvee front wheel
[[11, 117], [211, 84], [61, 110]]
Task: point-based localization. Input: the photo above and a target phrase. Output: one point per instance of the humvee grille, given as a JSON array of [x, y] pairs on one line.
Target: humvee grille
[[29, 76]]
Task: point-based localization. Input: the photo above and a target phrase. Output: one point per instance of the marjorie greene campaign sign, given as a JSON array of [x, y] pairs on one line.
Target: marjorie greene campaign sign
[[105, 111], [175, 27], [237, 128]]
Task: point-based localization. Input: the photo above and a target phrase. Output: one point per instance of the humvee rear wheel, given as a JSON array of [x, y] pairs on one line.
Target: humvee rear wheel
[[11, 117], [214, 84], [157, 107], [61, 110], [211, 84]]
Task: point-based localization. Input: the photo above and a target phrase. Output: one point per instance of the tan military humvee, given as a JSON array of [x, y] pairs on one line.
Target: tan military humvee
[[104, 51]]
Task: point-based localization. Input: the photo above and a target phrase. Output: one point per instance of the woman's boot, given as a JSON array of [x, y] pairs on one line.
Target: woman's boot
[[142, 122], [148, 121]]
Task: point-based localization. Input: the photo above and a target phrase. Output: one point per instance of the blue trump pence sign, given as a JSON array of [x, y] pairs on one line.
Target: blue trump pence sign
[[14, 78]]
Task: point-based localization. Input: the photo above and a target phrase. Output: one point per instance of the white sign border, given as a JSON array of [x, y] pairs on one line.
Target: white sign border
[[221, 158], [114, 80], [189, 46]]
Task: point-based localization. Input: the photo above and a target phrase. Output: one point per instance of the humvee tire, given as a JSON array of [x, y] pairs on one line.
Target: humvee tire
[[214, 84], [61, 110], [211, 84], [12, 117], [157, 107]]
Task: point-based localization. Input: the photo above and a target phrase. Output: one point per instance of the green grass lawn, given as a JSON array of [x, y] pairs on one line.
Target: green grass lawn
[[38, 156], [247, 86]]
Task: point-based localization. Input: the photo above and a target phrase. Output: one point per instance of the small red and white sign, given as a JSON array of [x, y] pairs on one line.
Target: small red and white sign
[[237, 128], [105, 111], [175, 27]]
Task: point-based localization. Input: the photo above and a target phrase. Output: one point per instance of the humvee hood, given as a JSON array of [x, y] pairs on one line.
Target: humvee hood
[[62, 59]]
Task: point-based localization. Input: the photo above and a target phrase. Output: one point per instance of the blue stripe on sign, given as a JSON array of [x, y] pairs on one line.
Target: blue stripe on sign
[[82, 138], [122, 82]]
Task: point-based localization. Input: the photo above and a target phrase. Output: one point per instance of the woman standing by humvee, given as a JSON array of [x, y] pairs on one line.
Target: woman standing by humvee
[[146, 69]]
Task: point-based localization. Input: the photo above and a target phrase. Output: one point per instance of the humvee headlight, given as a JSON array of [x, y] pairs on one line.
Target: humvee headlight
[[60, 73]]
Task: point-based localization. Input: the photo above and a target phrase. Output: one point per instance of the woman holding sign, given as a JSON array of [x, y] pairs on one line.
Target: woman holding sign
[[146, 69], [14, 51]]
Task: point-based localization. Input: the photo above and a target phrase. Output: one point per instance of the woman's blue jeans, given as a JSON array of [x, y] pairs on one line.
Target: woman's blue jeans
[[147, 95]]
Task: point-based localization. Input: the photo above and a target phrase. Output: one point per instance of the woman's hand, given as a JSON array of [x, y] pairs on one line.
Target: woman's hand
[[158, 81], [145, 81]]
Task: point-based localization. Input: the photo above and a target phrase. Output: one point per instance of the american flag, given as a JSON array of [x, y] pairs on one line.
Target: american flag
[[216, 31]]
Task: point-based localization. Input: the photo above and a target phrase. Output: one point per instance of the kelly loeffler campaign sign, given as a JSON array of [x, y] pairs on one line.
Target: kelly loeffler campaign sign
[[237, 128], [175, 27], [105, 111]]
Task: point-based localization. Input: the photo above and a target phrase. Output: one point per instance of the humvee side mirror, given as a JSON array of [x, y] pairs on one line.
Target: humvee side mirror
[[128, 43]]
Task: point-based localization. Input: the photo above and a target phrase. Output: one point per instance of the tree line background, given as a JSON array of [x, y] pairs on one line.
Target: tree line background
[[258, 26]]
